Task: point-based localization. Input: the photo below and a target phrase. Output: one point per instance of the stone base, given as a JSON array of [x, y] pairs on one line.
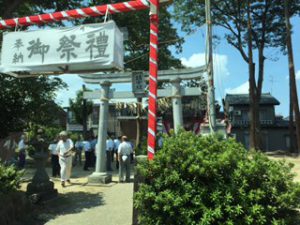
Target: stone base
[[220, 128], [99, 178], [41, 191]]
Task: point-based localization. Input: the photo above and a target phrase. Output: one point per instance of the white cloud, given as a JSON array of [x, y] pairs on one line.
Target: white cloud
[[220, 63], [242, 89], [74, 83], [298, 75]]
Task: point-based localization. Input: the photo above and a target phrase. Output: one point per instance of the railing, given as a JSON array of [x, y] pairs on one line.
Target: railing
[[247, 122]]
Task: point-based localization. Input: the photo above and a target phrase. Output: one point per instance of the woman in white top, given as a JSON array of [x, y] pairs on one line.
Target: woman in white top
[[64, 149]]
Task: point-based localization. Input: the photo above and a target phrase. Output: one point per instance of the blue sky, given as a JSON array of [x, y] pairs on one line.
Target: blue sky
[[231, 72]]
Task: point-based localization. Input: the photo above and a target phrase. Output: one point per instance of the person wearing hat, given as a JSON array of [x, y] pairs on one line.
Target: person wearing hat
[[64, 149], [124, 151]]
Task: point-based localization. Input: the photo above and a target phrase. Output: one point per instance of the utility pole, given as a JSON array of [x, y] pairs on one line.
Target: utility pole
[[210, 71]]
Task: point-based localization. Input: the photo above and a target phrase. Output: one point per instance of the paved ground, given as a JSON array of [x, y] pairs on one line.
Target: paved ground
[[82, 204]]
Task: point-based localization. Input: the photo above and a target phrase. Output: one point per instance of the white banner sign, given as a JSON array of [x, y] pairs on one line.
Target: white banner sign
[[91, 47]]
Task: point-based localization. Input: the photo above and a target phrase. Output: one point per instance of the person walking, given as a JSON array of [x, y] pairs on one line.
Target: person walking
[[124, 151], [87, 151], [78, 150], [64, 149], [109, 150], [22, 152], [54, 158], [117, 143]]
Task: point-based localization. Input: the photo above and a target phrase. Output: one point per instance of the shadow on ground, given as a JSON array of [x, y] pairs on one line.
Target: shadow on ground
[[67, 203]]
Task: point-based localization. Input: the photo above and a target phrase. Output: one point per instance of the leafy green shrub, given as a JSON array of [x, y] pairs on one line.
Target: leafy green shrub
[[205, 181], [10, 179]]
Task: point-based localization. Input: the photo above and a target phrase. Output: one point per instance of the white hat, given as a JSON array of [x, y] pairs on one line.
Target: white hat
[[63, 133]]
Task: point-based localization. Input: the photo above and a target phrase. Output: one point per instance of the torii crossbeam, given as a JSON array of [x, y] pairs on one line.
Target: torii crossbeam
[[101, 11]]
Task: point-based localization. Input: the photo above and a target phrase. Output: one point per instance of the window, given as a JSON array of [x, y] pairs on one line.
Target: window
[[245, 115], [287, 141], [246, 140]]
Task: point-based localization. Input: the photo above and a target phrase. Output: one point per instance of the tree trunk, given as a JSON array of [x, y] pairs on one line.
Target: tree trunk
[[293, 86], [252, 86], [291, 123]]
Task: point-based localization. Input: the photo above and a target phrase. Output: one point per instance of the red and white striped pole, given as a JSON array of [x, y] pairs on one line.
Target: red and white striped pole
[[75, 13], [153, 68]]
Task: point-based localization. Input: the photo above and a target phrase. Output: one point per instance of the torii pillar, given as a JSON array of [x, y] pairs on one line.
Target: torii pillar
[[100, 176], [177, 104]]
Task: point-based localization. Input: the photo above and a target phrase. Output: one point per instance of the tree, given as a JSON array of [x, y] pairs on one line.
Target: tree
[[26, 101], [18, 8], [259, 20], [78, 107], [137, 45], [294, 105]]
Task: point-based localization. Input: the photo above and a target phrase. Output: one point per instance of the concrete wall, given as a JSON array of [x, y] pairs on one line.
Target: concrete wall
[[271, 138]]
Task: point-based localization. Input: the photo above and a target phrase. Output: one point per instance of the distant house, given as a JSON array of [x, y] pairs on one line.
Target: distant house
[[274, 129]]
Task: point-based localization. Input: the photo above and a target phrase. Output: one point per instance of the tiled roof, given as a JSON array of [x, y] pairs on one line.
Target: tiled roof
[[243, 99]]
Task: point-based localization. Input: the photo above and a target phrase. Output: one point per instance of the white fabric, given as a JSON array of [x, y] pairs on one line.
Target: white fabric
[[116, 143], [81, 48], [21, 145], [10, 144], [125, 149], [109, 145], [124, 158], [53, 150], [86, 146], [64, 146], [65, 167]]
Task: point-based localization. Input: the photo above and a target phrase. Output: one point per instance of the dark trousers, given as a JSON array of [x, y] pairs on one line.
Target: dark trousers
[[108, 161], [55, 165], [117, 159], [22, 158], [93, 158], [112, 155], [87, 162]]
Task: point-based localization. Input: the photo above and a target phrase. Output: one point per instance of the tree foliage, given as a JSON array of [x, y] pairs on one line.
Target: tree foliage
[[27, 101], [76, 106], [249, 25], [137, 45], [207, 181]]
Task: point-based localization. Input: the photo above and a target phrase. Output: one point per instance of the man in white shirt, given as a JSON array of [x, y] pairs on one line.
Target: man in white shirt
[[64, 149], [124, 151], [117, 143], [54, 158], [109, 150], [22, 152]]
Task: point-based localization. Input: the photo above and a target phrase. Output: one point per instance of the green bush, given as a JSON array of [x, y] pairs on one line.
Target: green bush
[[10, 179], [207, 181]]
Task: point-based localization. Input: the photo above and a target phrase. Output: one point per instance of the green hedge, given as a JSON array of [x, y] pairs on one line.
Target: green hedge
[[208, 181], [10, 179]]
